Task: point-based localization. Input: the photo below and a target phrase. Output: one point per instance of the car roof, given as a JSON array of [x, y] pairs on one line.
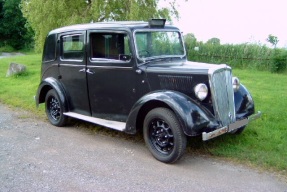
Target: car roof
[[130, 25]]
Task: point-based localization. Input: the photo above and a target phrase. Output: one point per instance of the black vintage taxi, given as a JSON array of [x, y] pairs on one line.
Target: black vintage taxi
[[134, 76]]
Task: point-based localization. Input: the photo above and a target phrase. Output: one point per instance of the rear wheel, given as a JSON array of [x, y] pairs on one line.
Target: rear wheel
[[163, 135], [54, 109]]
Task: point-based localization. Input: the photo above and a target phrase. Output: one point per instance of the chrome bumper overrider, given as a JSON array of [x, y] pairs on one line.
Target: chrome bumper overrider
[[231, 127]]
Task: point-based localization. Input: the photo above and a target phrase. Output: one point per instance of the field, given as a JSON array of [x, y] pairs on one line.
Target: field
[[262, 144], [241, 56], [264, 141]]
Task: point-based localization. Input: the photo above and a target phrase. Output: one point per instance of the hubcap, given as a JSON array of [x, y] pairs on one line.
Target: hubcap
[[161, 136], [54, 108]]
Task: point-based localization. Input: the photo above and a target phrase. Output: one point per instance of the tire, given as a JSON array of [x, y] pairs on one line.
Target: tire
[[163, 135], [55, 109]]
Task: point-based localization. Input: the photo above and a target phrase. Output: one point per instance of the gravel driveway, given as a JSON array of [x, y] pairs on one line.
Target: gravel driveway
[[36, 156]]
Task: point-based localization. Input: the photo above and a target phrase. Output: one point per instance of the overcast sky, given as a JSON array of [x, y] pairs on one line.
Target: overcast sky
[[234, 21]]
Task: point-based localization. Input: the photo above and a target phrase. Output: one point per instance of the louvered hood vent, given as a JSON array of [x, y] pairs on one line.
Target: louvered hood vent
[[178, 83]]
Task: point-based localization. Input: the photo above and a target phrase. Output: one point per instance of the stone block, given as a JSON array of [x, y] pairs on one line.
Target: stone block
[[15, 68]]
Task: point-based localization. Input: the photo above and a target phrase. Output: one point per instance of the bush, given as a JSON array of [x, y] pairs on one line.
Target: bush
[[279, 61], [14, 29], [240, 56], [6, 48]]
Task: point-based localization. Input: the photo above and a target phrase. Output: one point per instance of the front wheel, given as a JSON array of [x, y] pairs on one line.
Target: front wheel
[[55, 109], [163, 135]]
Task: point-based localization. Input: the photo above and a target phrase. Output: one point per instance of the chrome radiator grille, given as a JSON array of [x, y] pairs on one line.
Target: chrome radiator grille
[[222, 95]]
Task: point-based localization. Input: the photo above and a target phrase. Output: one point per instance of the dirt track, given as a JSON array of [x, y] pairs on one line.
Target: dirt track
[[4, 54], [35, 156]]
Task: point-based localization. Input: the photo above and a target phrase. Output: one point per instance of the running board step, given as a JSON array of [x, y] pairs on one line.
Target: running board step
[[120, 126]]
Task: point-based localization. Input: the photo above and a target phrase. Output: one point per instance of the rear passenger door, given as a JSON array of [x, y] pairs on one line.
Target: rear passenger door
[[72, 68]]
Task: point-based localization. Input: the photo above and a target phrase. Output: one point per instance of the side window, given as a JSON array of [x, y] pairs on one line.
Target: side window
[[50, 48], [110, 46], [72, 47]]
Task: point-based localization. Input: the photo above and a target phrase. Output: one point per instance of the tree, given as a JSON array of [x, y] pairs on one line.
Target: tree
[[273, 40], [1, 22], [44, 16], [190, 41], [12, 25], [213, 41]]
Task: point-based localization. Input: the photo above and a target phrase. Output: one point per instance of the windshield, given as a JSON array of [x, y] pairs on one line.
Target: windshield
[[158, 44]]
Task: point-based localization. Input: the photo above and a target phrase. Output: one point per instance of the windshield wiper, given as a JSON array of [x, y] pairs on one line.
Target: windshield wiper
[[157, 60], [151, 60]]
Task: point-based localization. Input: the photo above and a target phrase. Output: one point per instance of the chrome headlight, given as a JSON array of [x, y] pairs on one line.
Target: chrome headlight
[[235, 84], [201, 91]]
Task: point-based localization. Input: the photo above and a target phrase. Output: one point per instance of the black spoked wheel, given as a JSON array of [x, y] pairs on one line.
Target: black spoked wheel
[[163, 135], [54, 109]]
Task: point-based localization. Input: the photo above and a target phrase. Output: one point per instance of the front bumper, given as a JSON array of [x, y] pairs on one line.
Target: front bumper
[[231, 127]]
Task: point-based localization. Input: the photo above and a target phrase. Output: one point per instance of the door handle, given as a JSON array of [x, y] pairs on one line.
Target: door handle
[[82, 70], [90, 72]]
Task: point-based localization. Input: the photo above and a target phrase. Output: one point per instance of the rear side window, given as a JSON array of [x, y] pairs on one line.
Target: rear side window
[[50, 48], [110, 46], [72, 47]]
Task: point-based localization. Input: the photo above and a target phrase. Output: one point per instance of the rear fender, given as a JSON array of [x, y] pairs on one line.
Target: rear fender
[[48, 84], [191, 116]]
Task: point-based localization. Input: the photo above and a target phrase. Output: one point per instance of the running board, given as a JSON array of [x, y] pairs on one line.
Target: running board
[[117, 125]]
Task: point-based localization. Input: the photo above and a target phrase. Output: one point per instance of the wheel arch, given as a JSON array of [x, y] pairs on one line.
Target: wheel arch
[[48, 84], [147, 107], [190, 116]]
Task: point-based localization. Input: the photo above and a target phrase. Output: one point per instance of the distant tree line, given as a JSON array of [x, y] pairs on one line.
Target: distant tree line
[[245, 55], [14, 30], [25, 23], [45, 15]]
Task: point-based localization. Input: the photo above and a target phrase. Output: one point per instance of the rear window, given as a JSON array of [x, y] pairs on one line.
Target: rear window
[[50, 48], [72, 47]]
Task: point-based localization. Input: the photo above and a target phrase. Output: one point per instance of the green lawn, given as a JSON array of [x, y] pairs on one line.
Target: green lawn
[[264, 141], [19, 90], [262, 144]]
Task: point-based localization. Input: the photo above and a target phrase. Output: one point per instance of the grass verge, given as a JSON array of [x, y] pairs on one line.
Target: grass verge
[[263, 143], [19, 90]]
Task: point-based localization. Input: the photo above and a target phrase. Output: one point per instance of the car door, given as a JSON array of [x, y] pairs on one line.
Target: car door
[[72, 68], [110, 74]]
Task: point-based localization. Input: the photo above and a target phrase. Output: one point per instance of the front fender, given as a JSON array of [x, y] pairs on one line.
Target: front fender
[[48, 84], [244, 104], [191, 115]]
